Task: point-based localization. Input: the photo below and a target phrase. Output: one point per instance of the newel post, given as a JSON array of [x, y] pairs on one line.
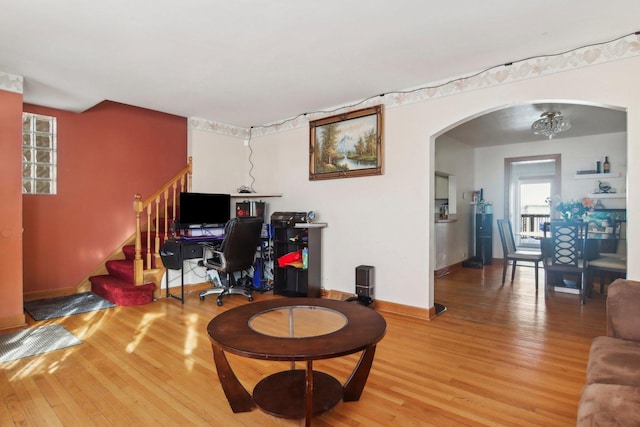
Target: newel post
[[138, 266]]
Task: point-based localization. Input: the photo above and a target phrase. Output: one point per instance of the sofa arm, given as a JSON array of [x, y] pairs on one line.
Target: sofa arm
[[623, 310]]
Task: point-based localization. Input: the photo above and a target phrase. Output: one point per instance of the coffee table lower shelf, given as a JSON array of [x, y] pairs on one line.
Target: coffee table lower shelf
[[283, 394]]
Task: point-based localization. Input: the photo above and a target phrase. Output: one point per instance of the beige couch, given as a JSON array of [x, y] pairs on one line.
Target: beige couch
[[611, 396]]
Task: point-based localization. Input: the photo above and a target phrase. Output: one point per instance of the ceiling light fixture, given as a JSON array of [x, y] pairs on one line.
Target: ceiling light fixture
[[551, 124]]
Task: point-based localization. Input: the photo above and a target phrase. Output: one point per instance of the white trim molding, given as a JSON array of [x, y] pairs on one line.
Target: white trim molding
[[623, 48], [11, 82]]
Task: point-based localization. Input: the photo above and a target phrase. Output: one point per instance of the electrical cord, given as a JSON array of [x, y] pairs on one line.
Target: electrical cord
[[253, 179], [418, 89], [421, 88]]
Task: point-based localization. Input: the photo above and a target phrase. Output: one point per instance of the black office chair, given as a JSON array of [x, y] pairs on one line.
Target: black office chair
[[235, 255], [511, 253], [564, 255]]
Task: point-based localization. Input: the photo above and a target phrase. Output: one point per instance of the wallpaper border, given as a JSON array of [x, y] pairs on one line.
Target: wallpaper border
[[11, 82], [623, 48]]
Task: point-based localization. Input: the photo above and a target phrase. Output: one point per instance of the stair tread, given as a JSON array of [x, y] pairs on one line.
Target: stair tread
[[112, 281], [121, 269], [121, 292], [130, 254]]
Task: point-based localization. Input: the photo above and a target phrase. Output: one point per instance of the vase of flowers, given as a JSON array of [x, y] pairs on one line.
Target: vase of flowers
[[574, 210]]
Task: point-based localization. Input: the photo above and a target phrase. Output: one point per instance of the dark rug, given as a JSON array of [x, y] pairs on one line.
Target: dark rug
[[30, 342], [51, 308]]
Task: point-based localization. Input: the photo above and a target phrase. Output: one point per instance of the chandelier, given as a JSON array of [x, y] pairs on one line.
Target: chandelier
[[550, 124]]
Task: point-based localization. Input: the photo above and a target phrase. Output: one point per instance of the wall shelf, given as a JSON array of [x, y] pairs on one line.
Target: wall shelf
[[597, 175], [607, 196], [311, 225], [254, 195]]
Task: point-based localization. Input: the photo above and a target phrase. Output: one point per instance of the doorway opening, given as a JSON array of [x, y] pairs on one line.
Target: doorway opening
[[534, 211], [531, 182]]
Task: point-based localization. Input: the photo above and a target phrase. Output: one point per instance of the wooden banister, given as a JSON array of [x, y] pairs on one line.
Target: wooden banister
[[148, 216]]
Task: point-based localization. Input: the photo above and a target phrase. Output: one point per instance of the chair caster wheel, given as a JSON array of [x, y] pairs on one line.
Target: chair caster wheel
[[219, 303], [250, 299], [201, 297]]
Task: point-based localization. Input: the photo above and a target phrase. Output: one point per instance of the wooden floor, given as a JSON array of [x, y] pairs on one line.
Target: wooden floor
[[499, 355]]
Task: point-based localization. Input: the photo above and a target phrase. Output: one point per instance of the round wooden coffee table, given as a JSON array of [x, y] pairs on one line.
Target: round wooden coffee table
[[295, 329]]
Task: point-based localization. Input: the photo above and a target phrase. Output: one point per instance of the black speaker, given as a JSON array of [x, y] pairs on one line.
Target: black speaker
[[364, 281]]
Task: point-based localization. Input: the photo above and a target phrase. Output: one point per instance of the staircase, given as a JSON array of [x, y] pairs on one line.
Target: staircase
[[118, 286], [135, 279]]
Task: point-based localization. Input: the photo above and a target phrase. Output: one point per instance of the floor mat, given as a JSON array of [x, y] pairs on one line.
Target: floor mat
[[30, 342], [51, 308]]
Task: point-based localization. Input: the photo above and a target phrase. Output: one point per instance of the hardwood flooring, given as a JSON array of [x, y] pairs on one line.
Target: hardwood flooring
[[500, 355]]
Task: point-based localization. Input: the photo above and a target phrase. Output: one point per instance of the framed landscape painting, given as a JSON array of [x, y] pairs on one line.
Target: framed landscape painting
[[346, 145]]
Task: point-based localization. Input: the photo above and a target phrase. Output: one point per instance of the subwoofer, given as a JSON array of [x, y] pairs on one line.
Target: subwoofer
[[364, 281]]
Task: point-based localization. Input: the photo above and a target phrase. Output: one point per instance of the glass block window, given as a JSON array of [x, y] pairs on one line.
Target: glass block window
[[39, 157]]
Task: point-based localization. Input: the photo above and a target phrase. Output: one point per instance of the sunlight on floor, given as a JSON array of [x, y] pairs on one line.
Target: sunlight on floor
[[39, 364], [191, 339], [141, 331]]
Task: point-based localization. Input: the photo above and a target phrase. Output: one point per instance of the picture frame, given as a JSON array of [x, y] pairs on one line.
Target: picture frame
[[347, 145]]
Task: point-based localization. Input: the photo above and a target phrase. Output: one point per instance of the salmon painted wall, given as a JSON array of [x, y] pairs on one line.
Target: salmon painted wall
[[11, 209], [106, 155]]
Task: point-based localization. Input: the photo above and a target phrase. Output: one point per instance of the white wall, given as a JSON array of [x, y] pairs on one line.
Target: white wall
[[576, 154], [452, 238], [380, 220], [220, 165]]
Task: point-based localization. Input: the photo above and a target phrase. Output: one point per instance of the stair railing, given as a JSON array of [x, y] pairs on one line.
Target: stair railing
[[155, 210]]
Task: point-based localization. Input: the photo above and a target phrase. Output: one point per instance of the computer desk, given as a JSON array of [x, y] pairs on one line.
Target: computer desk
[[175, 251]]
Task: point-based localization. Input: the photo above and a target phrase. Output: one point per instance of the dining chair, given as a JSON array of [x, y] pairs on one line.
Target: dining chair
[[610, 264], [511, 252], [563, 255]]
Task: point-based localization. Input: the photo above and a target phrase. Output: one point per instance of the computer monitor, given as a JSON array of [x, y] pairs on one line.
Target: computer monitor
[[203, 210]]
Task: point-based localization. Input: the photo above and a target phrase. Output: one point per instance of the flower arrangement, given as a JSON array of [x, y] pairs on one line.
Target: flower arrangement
[[574, 209]]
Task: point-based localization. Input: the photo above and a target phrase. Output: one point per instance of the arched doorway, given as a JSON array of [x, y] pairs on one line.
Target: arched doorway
[[488, 139]]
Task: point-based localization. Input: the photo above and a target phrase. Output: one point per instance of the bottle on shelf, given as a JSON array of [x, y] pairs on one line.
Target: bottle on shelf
[[606, 166]]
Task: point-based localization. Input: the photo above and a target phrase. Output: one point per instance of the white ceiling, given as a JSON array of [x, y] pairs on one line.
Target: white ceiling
[[512, 125], [251, 62]]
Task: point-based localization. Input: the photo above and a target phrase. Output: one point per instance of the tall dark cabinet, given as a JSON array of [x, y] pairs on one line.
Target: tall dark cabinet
[[484, 237], [290, 237]]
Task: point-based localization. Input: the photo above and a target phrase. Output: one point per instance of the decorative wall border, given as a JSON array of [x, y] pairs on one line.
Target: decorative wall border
[[217, 127], [623, 48], [11, 83]]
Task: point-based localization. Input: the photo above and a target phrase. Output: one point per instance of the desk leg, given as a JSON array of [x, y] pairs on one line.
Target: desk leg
[[182, 283], [169, 294], [355, 384], [239, 398]]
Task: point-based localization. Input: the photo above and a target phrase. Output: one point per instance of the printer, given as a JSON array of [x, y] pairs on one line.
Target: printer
[[288, 219]]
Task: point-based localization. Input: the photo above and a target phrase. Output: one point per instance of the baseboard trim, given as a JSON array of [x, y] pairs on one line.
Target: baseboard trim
[[188, 289], [17, 321], [406, 310], [49, 293], [448, 269], [385, 306]]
